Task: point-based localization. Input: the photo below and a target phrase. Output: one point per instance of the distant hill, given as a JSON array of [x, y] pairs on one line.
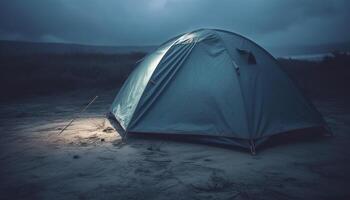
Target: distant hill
[[30, 48], [304, 50]]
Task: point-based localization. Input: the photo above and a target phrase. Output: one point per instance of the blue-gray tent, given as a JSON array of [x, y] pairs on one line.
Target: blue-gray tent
[[213, 85]]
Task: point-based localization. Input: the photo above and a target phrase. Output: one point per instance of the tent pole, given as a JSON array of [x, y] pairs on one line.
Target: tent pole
[[71, 121]]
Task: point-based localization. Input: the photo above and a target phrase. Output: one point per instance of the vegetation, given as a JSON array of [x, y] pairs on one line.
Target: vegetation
[[51, 73], [23, 75], [327, 78]]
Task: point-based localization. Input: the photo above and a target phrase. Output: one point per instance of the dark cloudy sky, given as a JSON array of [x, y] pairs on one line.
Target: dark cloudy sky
[[144, 22]]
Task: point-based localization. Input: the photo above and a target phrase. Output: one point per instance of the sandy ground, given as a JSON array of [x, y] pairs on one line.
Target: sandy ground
[[86, 162]]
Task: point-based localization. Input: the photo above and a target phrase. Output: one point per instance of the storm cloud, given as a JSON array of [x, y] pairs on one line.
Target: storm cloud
[[148, 22]]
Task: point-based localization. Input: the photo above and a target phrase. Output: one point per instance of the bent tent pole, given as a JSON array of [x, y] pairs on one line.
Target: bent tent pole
[[71, 121]]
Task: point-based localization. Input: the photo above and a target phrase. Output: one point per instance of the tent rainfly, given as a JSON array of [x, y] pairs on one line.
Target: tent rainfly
[[212, 85]]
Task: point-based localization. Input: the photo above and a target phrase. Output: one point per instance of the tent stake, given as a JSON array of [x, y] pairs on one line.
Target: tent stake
[[328, 132], [125, 137], [252, 147], [71, 121]]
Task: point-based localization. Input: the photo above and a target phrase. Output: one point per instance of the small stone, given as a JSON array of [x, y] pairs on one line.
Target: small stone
[[108, 130], [102, 139]]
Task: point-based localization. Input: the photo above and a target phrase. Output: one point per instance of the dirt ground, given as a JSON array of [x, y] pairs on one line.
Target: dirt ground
[[88, 162]]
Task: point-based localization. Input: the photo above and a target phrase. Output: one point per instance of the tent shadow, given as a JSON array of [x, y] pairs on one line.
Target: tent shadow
[[306, 135], [189, 139], [132, 137]]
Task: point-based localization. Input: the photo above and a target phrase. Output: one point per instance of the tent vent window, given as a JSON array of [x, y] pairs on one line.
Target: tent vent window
[[248, 56]]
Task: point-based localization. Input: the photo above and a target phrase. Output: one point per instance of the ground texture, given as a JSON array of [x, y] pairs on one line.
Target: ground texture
[[88, 161]]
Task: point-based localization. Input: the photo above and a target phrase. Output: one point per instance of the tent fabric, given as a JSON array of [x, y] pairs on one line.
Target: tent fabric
[[212, 84]]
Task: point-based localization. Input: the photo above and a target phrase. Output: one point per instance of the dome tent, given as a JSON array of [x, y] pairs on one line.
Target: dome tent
[[212, 85]]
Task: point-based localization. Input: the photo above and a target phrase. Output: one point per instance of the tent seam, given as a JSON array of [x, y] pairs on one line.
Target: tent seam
[[142, 96], [239, 82]]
